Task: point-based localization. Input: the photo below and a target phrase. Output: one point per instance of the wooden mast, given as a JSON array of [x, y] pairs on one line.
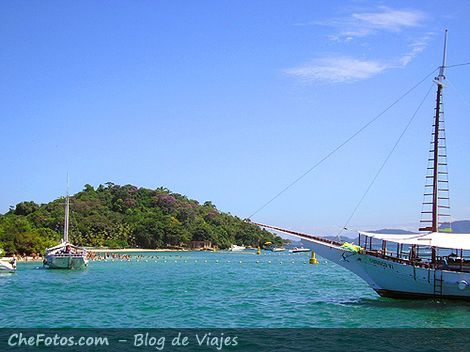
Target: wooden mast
[[434, 226], [439, 81], [66, 217]]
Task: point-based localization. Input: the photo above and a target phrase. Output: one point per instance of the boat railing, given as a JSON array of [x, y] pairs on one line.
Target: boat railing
[[63, 255], [442, 263], [299, 234]]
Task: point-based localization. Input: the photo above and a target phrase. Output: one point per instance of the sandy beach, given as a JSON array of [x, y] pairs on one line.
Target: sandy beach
[[101, 250], [23, 259]]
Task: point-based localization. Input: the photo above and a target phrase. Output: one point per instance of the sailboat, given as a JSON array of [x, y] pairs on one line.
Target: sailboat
[[66, 255], [429, 264]]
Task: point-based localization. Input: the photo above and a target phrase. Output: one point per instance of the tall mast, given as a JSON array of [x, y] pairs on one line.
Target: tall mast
[[438, 156], [435, 189], [66, 218]]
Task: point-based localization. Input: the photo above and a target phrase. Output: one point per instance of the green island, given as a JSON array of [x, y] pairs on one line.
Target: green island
[[126, 216]]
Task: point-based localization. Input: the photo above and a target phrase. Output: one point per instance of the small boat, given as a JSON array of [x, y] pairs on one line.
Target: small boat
[[299, 250], [8, 266], [278, 249], [66, 255], [236, 248], [269, 246]]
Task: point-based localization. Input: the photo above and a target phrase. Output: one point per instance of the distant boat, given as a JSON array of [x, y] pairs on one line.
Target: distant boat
[[8, 267], [235, 248], [278, 249], [66, 255], [299, 250], [269, 246]]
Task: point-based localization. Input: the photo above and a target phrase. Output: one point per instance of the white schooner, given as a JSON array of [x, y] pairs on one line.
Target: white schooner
[[431, 264]]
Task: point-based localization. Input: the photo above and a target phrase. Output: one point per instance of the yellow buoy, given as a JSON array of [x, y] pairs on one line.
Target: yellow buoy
[[313, 259], [259, 250]]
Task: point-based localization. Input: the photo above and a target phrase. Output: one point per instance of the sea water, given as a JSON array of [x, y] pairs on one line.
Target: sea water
[[201, 289]]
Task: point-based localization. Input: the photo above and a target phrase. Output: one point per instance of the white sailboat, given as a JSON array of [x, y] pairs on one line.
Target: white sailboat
[[66, 255], [432, 264]]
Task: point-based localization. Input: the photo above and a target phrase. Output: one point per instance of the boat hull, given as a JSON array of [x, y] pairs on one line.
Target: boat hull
[[6, 267], [304, 250], [236, 248], [65, 262], [394, 279]]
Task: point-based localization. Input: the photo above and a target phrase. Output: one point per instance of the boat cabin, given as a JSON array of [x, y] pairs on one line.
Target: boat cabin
[[66, 249], [445, 251]]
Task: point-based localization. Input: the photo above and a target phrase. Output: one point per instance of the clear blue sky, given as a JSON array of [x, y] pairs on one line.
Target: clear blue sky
[[230, 101]]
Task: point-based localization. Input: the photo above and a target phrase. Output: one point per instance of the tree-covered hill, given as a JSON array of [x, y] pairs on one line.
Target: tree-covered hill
[[124, 216]]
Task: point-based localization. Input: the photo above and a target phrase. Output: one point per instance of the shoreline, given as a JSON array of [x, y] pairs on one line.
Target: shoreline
[[100, 250], [23, 260]]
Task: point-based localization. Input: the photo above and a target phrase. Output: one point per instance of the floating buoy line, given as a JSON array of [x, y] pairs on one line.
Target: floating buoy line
[[264, 258]]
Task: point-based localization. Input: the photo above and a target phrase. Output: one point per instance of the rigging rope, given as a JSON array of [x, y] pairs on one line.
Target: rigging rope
[[457, 65], [385, 161], [340, 146]]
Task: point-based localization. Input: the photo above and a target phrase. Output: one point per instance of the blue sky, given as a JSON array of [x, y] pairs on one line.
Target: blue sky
[[230, 101]]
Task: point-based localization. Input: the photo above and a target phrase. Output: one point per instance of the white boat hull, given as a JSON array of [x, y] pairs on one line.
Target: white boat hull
[[299, 250], [65, 262], [235, 248], [6, 267], [398, 280]]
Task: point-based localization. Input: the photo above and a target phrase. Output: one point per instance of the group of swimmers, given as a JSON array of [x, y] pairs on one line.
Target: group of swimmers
[[96, 256], [26, 258]]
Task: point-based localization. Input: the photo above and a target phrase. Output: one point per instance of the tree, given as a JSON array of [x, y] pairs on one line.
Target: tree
[[25, 208], [88, 188], [121, 216], [175, 233]]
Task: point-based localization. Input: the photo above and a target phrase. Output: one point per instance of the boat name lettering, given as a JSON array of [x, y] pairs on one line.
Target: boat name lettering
[[381, 263]]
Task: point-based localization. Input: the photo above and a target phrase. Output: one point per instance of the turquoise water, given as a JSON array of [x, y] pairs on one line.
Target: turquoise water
[[200, 289]]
